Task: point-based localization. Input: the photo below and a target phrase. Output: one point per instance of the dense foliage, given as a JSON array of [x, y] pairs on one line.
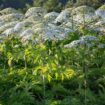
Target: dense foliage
[[47, 73]]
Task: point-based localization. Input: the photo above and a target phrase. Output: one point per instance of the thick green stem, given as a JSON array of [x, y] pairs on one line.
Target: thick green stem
[[4, 66], [25, 61], [44, 87]]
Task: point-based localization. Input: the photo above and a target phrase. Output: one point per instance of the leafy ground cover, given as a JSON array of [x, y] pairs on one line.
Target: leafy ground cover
[[58, 72]]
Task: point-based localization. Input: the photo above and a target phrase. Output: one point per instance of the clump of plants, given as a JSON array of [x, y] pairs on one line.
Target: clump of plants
[[65, 72]]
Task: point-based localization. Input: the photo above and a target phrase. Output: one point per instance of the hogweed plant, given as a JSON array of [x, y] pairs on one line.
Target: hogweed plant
[[51, 72], [83, 53]]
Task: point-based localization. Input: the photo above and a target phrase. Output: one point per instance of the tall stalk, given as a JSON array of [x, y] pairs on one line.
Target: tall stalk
[[25, 61], [85, 81], [72, 22], [44, 87], [84, 23], [4, 65], [85, 73]]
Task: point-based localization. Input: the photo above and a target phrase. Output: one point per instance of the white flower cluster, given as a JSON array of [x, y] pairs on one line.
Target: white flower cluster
[[89, 38], [9, 31], [8, 11], [80, 18], [53, 35], [75, 43], [84, 40], [37, 11], [82, 10], [63, 16], [100, 23], [22, 26], [39, 25], [99, 26], [8, 25], [101, 11], [34, 18], [49, 26], [51, 31], [2, 23], [17, 16], [50, 34], [51, 16], [101, 45], [27, 34], [11, 17], [19, 26], [100, 29]]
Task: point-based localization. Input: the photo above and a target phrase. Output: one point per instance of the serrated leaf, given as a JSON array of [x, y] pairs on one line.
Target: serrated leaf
[[49, 77]]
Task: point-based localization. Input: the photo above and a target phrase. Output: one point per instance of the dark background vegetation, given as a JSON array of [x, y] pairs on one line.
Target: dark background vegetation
[[50, 5]]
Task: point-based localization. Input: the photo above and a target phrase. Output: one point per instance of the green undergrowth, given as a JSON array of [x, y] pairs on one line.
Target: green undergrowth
[[46, 73]]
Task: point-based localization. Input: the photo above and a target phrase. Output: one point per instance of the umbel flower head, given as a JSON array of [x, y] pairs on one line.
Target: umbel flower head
[[36, 11], [101, 12], [8, 25], [8, 11], [84, 40], [89, 38], [51, 16]]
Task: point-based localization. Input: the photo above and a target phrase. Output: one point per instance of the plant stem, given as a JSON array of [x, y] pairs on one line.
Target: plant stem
[[83, 18], [44, 87], [4, 68], [25, 61], [72, 23]]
